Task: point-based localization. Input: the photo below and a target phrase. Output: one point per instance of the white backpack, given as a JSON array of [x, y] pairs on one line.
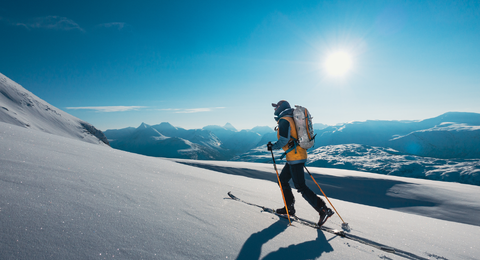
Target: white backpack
[[303, 122]]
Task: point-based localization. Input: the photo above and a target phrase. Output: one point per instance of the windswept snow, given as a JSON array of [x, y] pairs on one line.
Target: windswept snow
[[66, 199]]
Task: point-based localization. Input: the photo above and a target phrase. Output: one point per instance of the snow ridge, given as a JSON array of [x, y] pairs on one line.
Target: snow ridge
[[20, 107]]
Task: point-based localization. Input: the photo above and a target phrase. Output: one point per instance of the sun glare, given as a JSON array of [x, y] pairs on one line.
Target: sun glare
[[338, 64]]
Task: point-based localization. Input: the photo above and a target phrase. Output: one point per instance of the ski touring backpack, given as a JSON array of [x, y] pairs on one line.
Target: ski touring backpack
[[304, 125]]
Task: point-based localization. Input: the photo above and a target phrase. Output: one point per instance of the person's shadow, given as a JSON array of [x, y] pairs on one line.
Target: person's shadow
[[252, 248]]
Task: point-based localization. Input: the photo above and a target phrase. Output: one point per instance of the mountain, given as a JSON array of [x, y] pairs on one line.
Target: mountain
[[85, 201], [222, 133], [451, 135], [211, 142], [446, 140], [114, 134], [230, 127], [262, 130], [319, 126], [165, 140], [235, 141], [20, 107], [169, 130]]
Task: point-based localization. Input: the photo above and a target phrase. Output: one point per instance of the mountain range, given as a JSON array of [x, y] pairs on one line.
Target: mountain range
[[444, 148], [164, 140], [452, 135]]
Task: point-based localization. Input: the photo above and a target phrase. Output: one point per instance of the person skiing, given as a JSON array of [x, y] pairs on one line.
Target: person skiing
[[296, 159]]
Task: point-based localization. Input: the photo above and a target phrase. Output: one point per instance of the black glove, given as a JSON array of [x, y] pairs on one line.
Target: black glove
[[269, 146]]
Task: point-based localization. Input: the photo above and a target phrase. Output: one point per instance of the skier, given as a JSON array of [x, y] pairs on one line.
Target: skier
[[293, 169]]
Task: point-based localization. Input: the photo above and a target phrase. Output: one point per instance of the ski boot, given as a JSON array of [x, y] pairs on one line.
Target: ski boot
[[283, 211], [324, 213]]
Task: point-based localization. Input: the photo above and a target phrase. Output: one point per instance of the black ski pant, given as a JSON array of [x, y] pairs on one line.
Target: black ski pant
[[296, 173]]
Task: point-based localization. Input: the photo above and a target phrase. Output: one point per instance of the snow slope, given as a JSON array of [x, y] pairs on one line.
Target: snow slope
[[447, 140], [20, 107], [66, 199]]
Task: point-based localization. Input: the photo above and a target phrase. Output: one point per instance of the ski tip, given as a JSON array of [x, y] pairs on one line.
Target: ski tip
[[231, 195]]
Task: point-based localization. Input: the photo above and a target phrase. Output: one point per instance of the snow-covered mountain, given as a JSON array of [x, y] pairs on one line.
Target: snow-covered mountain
[[20, 107], [446, 140], [114, 134], [210, 142], [451, 135], [165, 140], [66, 199], [262, 130]]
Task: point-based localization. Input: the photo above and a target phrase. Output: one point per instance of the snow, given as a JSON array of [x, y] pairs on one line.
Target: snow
[[62, 198], [455, 141], [20, 107]]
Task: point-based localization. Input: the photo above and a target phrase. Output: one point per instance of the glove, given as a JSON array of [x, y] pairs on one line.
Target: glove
[[269, 146]]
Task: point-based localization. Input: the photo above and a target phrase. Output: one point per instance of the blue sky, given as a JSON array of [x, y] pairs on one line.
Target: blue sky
[[195, 63]]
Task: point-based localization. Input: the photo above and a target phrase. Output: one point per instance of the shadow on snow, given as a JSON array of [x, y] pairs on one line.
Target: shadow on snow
[[252, 248]]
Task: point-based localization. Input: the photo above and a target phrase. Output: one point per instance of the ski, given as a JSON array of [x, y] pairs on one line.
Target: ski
[[337, 232]]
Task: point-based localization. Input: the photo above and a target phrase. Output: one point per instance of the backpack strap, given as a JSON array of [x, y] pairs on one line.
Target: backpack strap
[[294, 147]]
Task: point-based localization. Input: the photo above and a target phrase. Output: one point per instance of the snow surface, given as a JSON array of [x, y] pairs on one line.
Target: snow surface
[[66, 199], [447, 140], [20, 107]]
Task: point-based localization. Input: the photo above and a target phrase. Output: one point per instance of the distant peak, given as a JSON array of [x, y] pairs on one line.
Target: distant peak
[[166, 124], [143, 125], [229, 126]]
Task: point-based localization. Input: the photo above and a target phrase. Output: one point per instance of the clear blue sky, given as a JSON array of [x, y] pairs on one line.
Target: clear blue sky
[[194, 63]]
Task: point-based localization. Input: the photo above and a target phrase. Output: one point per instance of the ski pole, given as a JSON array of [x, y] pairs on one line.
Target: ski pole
[[344, 225], [281, 189]]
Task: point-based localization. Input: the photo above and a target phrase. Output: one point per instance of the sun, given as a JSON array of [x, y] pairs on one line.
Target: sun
[[338, 63]]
